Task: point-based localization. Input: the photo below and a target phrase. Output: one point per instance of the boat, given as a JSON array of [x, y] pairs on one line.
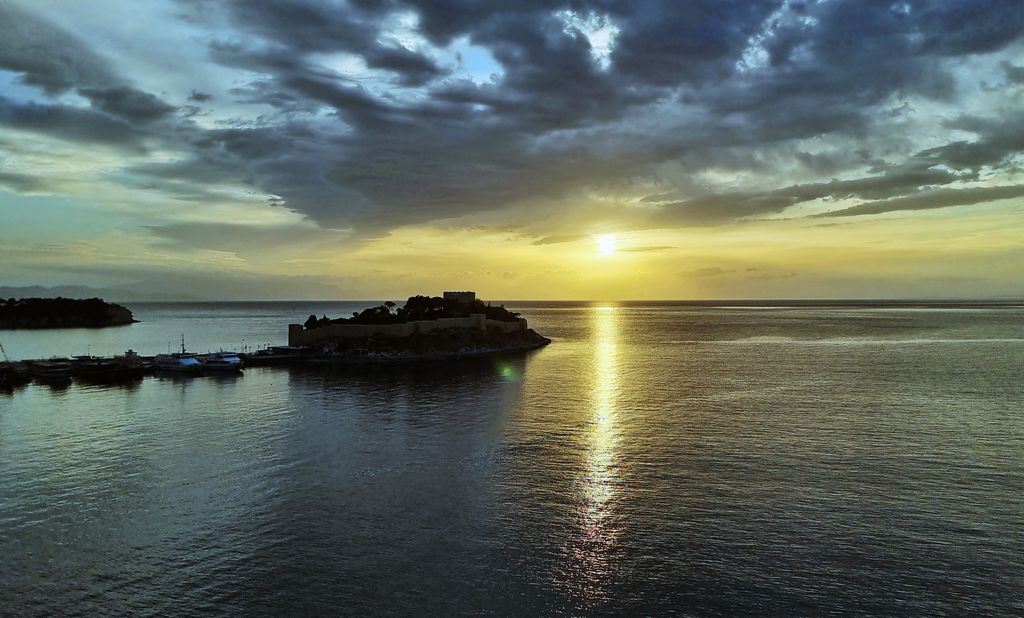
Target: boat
[[180, 362], [116, 369], [221, 362], [275, 355], [53, 369], [13, 375]]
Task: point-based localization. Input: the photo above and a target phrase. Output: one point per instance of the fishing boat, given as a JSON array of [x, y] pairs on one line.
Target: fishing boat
[[228, 362]]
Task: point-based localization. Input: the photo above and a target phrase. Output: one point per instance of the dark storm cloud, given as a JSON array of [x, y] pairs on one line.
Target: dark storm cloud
[[999, 141], [56, 61], [68, 123], [539, 130], [933, 199], [722, 85], [45, 55], [302, 27], [725, 207], [669, 43], [127, 103]]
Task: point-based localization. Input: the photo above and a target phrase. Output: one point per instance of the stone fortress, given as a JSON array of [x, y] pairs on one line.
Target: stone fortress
[[300, 336]]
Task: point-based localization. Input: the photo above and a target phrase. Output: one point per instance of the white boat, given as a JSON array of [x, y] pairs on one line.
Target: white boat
[[179, 361], [185, 363], [221, 361]]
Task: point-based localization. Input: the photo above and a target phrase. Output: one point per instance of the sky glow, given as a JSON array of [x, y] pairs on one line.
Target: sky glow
[[325, 149]]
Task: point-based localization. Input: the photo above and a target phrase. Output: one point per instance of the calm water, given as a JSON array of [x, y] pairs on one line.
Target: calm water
[[652, 460]]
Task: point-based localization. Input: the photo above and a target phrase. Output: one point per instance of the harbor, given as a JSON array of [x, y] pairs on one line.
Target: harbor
[[131, 366], [445, 328]]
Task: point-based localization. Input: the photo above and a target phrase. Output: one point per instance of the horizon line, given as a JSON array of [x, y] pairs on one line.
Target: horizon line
[[823, 300]]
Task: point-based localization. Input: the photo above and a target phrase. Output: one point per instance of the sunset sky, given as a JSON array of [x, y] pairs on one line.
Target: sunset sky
[[542, 150]]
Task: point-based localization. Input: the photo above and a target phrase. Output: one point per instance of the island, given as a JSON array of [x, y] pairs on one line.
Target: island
[[59, 312], [454, 325]]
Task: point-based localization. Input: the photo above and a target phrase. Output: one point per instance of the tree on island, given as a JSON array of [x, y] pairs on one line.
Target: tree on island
[[418, 308]]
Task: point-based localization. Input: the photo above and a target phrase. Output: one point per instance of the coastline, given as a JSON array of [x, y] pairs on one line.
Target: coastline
[[62, 313], [384, 358]]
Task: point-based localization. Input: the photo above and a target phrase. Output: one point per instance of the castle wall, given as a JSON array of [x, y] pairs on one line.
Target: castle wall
[[298, 336]]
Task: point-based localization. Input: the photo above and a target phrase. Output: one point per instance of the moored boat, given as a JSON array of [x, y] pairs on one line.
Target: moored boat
[[53, 369], [13, 375], [274, 355], [119, 368], [177, 362], [221, 362]]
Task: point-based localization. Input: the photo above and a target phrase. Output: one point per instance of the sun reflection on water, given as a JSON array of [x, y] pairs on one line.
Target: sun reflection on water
[[598, 526], [601, 464]]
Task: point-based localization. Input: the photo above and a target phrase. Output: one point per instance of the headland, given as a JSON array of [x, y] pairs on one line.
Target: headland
[[62, 313]]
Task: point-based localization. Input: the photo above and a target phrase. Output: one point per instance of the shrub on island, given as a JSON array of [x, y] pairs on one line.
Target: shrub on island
[[415, 309]]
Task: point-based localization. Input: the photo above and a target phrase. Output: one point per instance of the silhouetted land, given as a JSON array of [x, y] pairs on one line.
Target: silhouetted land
[[417, 308], [62, 313], [375, 334]]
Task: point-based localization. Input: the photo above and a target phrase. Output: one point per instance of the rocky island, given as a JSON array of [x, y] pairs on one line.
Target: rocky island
[[62, 313], [455, 325]]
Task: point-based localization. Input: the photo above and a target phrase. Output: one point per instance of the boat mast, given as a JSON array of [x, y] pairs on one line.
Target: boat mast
[[182, 343]]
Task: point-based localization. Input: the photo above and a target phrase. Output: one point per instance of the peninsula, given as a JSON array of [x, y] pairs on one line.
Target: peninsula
[[454, 325], [62, 313]]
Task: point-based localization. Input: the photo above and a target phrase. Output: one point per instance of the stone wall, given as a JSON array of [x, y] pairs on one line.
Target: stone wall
[[299, 336]]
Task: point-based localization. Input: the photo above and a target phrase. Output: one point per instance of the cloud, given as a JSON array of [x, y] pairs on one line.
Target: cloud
[[360, 115], [127, 103], [554, 240], [713, 271], [240, 238], [646, 249], [22, 183], [68, 123], [932, 199], [45, 55]]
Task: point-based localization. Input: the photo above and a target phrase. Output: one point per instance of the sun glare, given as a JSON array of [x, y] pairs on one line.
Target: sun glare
[[606, 244]]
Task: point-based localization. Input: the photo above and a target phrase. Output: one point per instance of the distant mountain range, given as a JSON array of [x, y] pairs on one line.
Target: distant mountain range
[[81, 291], [193, 287]]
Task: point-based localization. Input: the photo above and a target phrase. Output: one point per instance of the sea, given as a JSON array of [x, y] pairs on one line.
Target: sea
[[655, 459]]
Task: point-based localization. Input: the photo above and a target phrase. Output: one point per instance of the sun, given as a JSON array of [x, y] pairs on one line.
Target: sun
[[606, 244]]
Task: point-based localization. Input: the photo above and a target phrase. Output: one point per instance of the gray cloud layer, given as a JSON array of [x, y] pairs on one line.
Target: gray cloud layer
[[730, 85]]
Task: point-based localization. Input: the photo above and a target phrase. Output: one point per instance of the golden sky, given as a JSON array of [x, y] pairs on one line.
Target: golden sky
[[758, 150]]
